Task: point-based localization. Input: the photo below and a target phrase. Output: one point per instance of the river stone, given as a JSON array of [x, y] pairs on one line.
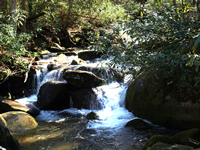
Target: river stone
[[71, 53], [164, 146], [85, 98], [156, 139], [53, 95], [78, 61], [89, 55], [155, 99], [6, 139], [103, 73], [18, 121], [189, 137], [138, 124], [92, 115], [82, 78], [10, 105], [62, 59]]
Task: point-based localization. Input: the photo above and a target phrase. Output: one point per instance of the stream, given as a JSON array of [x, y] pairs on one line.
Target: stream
[[70, 130]]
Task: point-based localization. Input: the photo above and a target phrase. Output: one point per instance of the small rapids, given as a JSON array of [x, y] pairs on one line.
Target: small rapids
[[70, 130]]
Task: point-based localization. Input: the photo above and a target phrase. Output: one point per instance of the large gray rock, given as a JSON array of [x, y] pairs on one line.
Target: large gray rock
[[18, 121], [54, 95], [138, 124], [10, 105], [82, 78], [155, 98], [6, 139]]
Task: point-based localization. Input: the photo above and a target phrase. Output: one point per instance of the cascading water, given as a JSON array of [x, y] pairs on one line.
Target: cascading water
[[69, 129]]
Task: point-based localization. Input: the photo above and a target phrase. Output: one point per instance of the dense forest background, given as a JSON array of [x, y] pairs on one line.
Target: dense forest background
[[158, 36]]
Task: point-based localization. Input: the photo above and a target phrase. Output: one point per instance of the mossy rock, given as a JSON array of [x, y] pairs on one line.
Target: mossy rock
[[92, 115], [155, 98], [18, 121], [156, 139], [164, 146], [189, 137], [6, 138]]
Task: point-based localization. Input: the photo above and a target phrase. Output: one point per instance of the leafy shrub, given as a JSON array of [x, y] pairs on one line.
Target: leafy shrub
[[160, 42]]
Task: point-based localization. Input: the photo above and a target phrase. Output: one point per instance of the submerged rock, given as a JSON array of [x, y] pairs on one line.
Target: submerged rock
[[82, 78], [156, 139], [6, 139], [138, 124], [185, 140], [18, 121], [164, 146], [53, 95]]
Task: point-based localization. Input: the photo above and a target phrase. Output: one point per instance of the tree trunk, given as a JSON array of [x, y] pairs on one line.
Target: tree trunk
[[30, 7], [13, 8], [3, 4], [66, 19], [174, 2], [23, 28]]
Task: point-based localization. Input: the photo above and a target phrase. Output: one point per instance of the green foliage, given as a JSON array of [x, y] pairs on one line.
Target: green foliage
[[12, 45], [160, 42]]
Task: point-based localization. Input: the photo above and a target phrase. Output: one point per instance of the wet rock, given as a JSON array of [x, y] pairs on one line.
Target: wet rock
[[51, 67], [164, 146], [78, 61], [92, 115], [62, 59], [53, 95], [189, 137], [82, 78], [18, 121], [138, 124], [156, 139], [85, 98], [10, 105], [102, 72], [89, 55], [6, 139], [155, 99]]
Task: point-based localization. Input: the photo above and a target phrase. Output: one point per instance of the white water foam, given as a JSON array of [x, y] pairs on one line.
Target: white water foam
[[114, 114]]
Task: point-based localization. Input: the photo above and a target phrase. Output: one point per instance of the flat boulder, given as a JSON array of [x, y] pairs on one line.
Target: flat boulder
[[18, 121], [10, 105], [6, 139], [53, 95], [79, 78]]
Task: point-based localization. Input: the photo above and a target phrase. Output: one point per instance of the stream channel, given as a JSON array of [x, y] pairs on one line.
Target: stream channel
[[70, 130]]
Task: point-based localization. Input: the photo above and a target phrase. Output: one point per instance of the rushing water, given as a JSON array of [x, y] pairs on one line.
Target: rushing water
[[69, 129]]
